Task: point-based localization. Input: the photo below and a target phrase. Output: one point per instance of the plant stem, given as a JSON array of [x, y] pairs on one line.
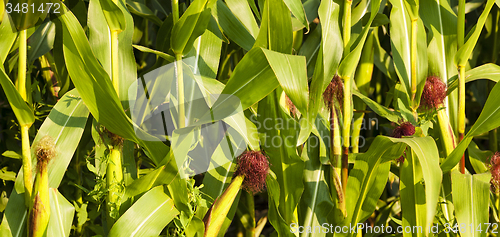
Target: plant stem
[[413, 58], [78, 195], [347, 26], [249, 201], [115, 73], [346, 130], [114, 170], [175, 10], [461, 23], [22, 65], [25, 138], [447, 134], [27, 172], [180, 90], [461, 111], [493, 139]]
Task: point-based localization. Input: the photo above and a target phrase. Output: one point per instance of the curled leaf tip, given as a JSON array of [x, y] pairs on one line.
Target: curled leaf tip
[[434, 93], [255, 167], [334, 92]]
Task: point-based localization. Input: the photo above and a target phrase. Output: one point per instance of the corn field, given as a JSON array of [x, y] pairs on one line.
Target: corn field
[[249, 118]]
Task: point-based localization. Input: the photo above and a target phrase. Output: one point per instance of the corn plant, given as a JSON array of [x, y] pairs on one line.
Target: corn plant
[[249, 118]]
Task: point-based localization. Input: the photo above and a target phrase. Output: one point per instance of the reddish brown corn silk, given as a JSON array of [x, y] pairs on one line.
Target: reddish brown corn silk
[[334, 92], [255, 167], [403, 130], [434, 93], [495, 171]]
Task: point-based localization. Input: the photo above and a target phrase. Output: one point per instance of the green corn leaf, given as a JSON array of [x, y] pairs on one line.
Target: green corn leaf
[[232, 27], [214, 87], [160, 176], [241, 9], [350, 62], [327, 61], [164, 34], [471, 198], [488, 120], [383, 61], [383, 111], [465, 51], [364, 180], [366, 177], [412, 194], [8, 37], [100, 43], [310, 49], [331, 41], [401, 42], [311, 9], [208, 49], [142, 10], [252, 79], [41, 41], [291, 74], [195, 228], [113, 15], [275, 218], [284, 161], [487, 71], [276, 31], [23, 112], [169, 58], [359, 12], [24, 19], [191, 25], [61, 215], [478, 158], [401, 47], [315, 203], [96, 89], [65, 125], [15, 216], [146, 217], [298, 11], [440, 19]]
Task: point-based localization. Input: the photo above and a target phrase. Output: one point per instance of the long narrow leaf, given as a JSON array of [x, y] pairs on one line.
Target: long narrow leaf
[[146, 217], [471, 198], [61, 215]]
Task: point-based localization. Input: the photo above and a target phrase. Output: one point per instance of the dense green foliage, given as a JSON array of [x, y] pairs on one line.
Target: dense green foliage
[[127, 118]]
